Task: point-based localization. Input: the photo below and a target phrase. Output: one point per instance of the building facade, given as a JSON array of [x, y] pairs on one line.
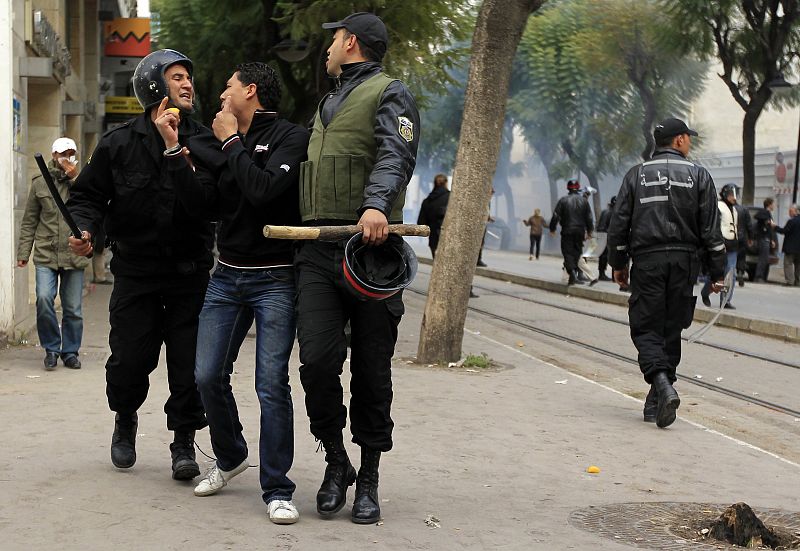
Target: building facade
[[51, 85]]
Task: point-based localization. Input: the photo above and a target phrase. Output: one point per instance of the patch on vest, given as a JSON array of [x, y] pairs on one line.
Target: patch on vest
[[406, 128]]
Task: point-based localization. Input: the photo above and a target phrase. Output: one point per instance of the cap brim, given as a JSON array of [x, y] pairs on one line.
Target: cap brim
[[691, 132], [333, 25]]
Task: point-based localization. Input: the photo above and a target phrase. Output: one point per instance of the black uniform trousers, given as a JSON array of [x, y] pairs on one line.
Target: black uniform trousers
[[144, 313], [571, 249], [324, 306], [660, 306]]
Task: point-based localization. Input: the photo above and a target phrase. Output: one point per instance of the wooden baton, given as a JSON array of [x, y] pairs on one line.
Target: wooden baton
[[335, 233]]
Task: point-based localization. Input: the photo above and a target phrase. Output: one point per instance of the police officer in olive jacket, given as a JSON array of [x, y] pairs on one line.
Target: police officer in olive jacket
[[360, 158], [162, 255], [665, 219]]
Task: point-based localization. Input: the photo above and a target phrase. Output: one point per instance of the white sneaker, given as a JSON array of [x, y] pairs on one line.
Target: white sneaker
[[282, 512], [216, 479]]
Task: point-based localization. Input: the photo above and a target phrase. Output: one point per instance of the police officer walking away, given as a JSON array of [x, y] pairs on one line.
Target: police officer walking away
[[575, 216], [162, 255], [360, 158], [666, 219]]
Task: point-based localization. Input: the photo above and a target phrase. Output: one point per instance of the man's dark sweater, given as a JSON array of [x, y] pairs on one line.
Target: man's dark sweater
[[256, 185]]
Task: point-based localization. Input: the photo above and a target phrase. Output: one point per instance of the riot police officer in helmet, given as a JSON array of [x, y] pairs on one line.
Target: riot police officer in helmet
[[162, 254]]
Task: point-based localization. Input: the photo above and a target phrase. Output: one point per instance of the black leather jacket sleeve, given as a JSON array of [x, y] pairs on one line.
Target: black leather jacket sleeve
[[396, 155], [92, 190]]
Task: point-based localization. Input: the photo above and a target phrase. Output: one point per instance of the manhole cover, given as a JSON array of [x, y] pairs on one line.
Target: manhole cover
[[668, 525]]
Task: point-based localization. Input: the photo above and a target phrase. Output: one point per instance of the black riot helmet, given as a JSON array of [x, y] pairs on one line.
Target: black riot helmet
[[378, 272], [728, 190], [149, 83]]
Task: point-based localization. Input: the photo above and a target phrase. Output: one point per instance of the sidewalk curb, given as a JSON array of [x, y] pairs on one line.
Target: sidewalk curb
[[768, 328]]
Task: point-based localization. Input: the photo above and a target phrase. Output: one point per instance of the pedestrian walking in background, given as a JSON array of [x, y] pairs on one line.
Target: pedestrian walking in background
[[791, 247], [536, 223], [575, 216], [254, 279], [433, 209], [371, 122], [764, 238], [489, 219], [602, 227], [666, 219], [744, 232], [58, 271], [161, 256], [729, 227]]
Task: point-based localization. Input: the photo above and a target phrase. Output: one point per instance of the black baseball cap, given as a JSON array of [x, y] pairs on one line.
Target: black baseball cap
[[368, 27], [672, 127]]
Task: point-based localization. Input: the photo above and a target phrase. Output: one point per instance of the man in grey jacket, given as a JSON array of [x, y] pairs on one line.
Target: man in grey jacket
[[44, 231]]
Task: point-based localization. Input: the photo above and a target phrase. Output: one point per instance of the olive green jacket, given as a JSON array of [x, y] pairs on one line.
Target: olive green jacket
[[44, 230]]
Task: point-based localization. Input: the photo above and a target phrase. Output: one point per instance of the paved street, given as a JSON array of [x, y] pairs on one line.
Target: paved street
[[497, 456], [770, 301]]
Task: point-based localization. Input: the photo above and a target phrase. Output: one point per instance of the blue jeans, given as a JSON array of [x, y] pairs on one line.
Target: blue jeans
[[233, 300], [730, 266], [67, 339]]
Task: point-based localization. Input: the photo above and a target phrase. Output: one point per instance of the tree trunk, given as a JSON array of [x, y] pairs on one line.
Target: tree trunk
[[649, 109], [749, 156], [497, 34]]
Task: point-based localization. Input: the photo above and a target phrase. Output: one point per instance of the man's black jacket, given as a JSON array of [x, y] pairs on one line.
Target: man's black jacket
[[763, 228], [791, 232], [127, 182], [432, 212], [574, 214], [604, 220], [254, 182], [396, 157], [667, 203]]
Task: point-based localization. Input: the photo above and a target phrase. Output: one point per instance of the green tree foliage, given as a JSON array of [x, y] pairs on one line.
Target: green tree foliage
[[755, 41], [441, 119], [569, 100], [592, 79], [218, 35]]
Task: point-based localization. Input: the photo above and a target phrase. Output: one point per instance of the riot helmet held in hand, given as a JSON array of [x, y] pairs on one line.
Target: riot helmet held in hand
[[380, 271]]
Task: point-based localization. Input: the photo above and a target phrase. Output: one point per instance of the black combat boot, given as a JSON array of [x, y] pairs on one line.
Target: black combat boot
[[668, 400], [366, 509], [123, 442], [575, 278], [651, 406], [339, 475], [184, 466]]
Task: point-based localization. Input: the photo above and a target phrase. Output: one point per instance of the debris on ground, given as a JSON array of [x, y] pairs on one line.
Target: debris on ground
[[433, 522]]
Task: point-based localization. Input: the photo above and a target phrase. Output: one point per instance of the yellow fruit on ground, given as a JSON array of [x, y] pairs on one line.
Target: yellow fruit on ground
[[593, 469]]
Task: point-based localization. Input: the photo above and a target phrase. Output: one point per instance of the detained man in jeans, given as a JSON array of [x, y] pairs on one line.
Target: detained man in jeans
[[58, 271], [256, 159]]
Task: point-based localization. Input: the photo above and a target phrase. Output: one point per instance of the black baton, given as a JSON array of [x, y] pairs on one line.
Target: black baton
[[73, 227]]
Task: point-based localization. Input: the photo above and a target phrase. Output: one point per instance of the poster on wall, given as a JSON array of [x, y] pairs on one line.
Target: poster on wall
[[17, 125]]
